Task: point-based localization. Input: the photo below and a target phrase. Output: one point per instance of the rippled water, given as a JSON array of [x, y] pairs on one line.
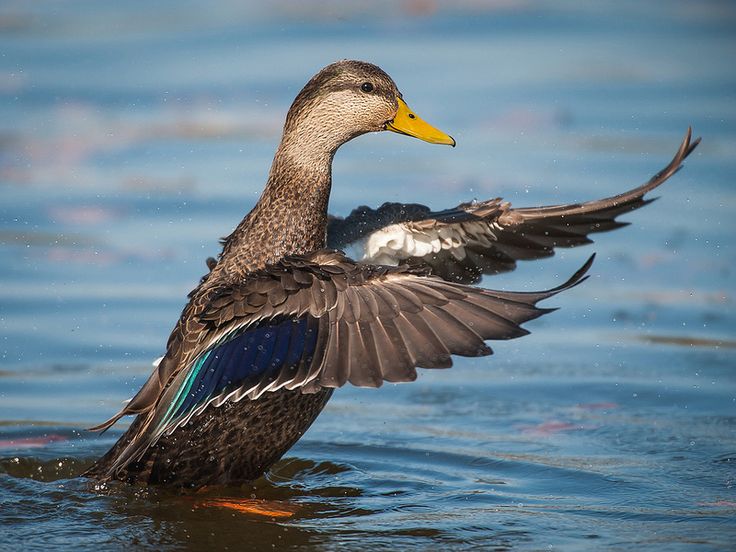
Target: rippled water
[[132, 136]]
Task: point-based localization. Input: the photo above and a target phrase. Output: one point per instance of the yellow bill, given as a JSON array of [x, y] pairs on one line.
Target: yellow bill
[[406, 122]]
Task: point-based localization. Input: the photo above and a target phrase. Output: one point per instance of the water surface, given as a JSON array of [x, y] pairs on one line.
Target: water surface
[[133, 136]]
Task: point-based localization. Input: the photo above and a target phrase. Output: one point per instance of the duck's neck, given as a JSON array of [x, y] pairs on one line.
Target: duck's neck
[[290, 218]]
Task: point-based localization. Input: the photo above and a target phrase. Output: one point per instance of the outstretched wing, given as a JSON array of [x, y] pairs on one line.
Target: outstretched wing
[[487, 237], [323, 321]]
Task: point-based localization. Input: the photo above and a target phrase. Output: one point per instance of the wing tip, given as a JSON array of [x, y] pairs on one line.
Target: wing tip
[[687, 146], [107, 424], [580, 275]]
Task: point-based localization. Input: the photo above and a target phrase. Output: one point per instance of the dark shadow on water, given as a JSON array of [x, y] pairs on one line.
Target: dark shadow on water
[[377, 496], [45, 503], [386, 501]]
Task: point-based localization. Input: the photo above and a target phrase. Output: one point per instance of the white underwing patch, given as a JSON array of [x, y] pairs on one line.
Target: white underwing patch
[[394, 243]]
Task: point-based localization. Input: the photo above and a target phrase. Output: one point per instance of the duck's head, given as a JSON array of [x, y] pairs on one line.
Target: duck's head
[[349, 98]]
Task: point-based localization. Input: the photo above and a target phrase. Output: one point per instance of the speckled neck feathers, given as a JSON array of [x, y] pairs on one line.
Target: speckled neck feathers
[[291, 215], [290, 218]]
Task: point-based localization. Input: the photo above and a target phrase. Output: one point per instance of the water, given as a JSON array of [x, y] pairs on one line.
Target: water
[[132, 136]]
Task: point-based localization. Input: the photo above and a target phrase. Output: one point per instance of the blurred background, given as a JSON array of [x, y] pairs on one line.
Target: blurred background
[[134, 134]]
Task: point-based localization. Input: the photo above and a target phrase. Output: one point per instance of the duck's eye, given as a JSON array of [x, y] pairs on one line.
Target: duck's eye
[[366, 87]]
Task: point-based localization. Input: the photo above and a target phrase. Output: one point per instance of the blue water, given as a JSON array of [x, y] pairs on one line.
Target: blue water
[[134, 134]]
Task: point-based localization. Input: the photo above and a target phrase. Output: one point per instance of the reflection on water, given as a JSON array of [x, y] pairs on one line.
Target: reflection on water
[[133, 136]]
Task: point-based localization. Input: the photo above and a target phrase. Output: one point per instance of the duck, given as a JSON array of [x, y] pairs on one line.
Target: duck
[[285, 316]]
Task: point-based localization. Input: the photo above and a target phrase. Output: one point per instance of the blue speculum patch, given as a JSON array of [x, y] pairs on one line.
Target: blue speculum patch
[[245, 358]]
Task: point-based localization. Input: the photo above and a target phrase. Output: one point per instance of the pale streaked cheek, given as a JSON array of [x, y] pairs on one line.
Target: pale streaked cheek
[[361, 113]]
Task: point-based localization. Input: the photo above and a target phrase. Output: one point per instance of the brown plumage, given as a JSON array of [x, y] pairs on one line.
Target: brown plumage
[[491, 235], [279, 322]]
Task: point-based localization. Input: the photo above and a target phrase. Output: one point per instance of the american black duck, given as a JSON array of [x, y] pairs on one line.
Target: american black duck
[[281, 320]]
